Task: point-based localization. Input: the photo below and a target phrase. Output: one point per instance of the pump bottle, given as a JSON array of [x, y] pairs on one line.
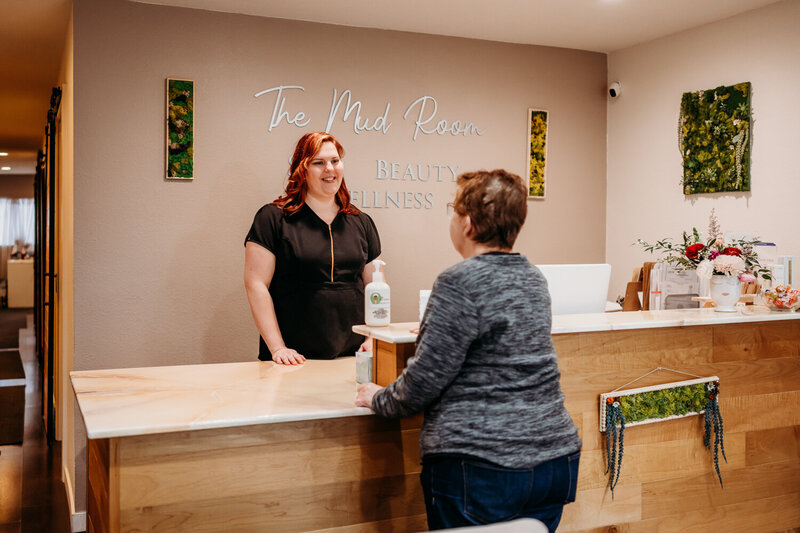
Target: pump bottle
[[377, 307]]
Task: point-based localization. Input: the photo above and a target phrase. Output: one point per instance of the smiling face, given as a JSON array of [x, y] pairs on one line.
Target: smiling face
[[325, 173]]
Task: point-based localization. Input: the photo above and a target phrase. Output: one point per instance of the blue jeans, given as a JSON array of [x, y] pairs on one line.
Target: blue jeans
[[463, 491]]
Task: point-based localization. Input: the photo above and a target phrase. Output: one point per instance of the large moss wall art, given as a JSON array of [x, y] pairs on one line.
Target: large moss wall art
[[180, 129], [715, 134]]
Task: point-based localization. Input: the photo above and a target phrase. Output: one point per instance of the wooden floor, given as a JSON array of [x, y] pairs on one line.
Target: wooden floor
[[32, 495]]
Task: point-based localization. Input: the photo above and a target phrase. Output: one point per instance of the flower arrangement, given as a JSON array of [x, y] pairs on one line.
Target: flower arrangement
[[711, 256]]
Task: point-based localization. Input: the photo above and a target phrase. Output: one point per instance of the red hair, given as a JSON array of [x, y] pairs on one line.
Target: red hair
[[293, 197]]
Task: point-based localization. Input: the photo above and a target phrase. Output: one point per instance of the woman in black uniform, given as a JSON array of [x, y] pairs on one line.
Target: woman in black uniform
[[304, 260]]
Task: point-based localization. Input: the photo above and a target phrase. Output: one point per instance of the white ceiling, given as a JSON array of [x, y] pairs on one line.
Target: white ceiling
[[596, 25], [32, 36]]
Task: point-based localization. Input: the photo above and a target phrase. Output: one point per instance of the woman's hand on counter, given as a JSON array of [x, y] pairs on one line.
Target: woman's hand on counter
[[364, 395], [366, 346], [287, 356]]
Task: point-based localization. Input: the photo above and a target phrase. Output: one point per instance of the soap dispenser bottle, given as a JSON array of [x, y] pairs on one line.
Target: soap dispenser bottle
[[377, 307]]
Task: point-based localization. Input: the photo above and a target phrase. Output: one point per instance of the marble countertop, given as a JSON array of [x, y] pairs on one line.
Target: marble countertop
[[398, 333], [139, 401], [401, 332]]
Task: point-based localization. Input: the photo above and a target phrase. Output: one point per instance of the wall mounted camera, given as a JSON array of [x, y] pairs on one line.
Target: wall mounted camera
[[614, 89]]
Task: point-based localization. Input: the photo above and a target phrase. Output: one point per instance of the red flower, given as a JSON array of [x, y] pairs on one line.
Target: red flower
[[693, 251], [730, 250]]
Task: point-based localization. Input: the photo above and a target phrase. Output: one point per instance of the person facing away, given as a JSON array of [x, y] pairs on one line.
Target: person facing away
[[497, 442], [305, 258]]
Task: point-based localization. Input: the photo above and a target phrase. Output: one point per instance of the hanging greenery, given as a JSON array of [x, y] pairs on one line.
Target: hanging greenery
[[714, 419], [714, 131], [615, 441], [646, 405]]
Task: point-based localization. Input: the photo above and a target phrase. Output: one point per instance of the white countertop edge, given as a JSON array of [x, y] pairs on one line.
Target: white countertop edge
[[647, 325], [136, 431], [596, 322], [396, 333], [733, 318], [589, 328]]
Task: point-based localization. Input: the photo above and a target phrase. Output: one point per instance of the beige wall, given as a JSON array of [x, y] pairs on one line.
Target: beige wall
[[158, 264], [645, 199], [16, 186], [67, 407]]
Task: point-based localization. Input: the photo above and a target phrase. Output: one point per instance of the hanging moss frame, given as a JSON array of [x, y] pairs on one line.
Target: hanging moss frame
[[646, 405], [537, 152], [180, 129], [715, 135]]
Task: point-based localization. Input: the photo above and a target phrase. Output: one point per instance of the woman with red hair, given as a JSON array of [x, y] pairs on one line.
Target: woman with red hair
[[304, 260]]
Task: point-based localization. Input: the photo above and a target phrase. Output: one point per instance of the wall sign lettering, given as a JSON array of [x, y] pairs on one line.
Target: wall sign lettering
[[393, 171], [345, 108]]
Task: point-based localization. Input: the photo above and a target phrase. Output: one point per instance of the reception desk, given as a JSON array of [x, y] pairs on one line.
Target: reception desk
[[258, 447], [667, 481], [244, 447]]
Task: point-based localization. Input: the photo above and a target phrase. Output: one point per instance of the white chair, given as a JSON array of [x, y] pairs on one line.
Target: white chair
[[520, 525]]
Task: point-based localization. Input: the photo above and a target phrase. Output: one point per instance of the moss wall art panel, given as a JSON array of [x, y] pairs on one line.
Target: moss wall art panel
[[715, 131], [180, 129], [537, 156]]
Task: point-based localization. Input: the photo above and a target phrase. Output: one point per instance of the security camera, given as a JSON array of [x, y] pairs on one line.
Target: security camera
[[614, 89]]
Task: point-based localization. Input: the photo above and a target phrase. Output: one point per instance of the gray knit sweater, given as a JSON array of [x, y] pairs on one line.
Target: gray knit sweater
[[485, 370]]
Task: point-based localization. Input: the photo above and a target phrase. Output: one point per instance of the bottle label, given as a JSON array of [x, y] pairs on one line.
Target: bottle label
[[376, 298]]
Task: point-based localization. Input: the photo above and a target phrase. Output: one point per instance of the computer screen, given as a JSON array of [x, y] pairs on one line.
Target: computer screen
[[577, 288]]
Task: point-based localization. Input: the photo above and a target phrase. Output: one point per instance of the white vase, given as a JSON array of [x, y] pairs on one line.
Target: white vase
[[725, 292]]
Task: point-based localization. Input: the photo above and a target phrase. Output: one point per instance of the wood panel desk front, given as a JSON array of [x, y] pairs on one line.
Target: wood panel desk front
[[244, 447], [667, 481]]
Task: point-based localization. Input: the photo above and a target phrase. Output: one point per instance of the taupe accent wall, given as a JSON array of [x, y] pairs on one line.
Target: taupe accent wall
[[158, 264]]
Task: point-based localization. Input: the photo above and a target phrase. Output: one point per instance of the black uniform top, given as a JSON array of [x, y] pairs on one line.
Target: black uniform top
[[317, 288]]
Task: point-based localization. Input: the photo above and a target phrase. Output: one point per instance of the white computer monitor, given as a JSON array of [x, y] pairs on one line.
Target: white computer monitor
[[577, 288]]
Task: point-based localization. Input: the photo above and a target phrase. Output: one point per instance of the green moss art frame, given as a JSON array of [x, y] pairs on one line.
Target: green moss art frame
[[537, 152], [646, 405], [180, 129], [620, 409], [715, 136]]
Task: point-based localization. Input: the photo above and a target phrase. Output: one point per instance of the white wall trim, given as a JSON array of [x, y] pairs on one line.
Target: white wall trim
[[77, 519], [79, 522]]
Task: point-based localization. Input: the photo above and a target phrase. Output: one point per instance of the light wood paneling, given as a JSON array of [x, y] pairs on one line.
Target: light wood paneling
[[626, 350], [762, 515], [361, 473], [102, 503], [668, 482], [296, 476], [304, 508], [743, 342], [675, 459], [173, 478], [676, 497], [594, 508], [389, 360], [773, 445]]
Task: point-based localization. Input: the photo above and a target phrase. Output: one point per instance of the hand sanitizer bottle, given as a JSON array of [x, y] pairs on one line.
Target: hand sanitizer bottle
[[377, 308]]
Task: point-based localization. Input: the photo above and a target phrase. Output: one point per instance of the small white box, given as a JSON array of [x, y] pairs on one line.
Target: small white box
[[424, 295], [363, 367]]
